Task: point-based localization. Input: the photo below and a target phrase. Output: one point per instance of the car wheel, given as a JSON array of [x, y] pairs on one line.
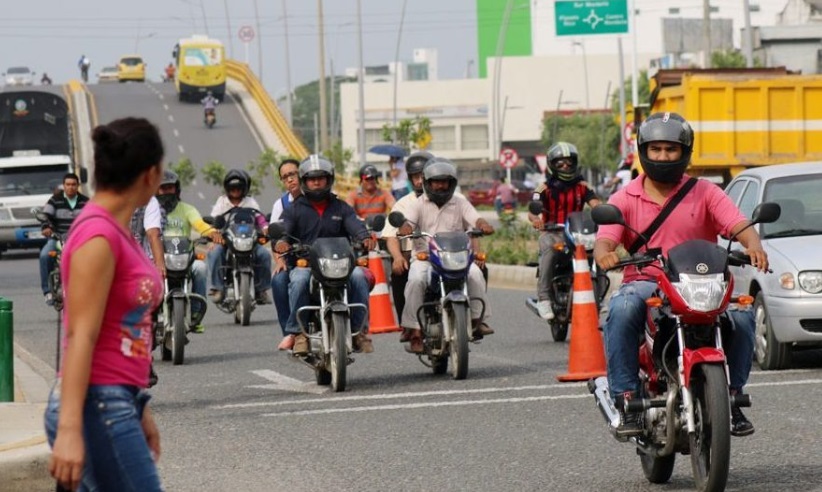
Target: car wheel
[[770, 353]]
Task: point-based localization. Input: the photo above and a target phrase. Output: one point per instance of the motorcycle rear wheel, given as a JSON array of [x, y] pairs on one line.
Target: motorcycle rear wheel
[[458, 346], [178, 334], [711, 443], [657, 469], [338, 358]]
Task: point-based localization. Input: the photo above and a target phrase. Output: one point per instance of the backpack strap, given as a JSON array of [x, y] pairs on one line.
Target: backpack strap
[[663, 214]]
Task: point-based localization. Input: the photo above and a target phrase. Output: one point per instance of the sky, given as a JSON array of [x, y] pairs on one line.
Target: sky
[[50, 35]]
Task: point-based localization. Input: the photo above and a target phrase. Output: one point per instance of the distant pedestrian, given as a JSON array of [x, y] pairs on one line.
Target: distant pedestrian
[[100, 428], [399, 178]]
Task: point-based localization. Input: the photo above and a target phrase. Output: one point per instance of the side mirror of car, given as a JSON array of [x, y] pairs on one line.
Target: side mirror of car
[[276, 230], [535, 207], [375, 222], [606, 214], [396, 219], [766, 213]]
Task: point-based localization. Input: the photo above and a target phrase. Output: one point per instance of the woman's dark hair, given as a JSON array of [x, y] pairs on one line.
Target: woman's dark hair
[[123, 149]]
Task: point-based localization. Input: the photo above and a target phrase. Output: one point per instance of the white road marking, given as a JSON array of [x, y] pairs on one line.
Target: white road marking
[[284, 383], [201, 195], [161, 96], [784, 383], [176, 133], [171, 118], [165, 106], [182, 150]]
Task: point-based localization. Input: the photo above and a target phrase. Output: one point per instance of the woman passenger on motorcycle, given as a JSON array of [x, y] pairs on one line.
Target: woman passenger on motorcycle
[[319, 213], [563, 193], [100, 428], [236, 185], [439, 209], [665, 143], [181, 217]]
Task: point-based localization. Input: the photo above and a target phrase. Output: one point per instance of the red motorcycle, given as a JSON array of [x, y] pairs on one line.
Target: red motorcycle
[[684, 405]]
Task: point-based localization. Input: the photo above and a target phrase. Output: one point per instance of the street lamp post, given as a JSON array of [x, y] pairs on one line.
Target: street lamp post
[[361, 89], [585, 73], [138, 38], [396, 64]]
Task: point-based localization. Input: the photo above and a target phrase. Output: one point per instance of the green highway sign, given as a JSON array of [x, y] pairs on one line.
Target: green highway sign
[[577, 18]]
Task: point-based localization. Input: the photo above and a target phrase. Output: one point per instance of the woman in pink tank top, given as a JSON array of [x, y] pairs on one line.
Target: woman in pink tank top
[[98, 423]]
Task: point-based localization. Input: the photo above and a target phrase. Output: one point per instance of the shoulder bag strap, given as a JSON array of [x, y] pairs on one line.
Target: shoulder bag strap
[[663, 214]]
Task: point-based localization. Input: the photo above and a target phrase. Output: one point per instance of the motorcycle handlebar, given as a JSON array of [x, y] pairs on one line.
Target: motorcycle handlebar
[[740, 259]]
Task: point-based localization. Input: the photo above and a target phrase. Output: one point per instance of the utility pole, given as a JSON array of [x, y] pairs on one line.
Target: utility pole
[[290, 114], [748, 42], [259, 42], [230, 32], [323, 95], [706, 33], [396, 65], [360, 87]]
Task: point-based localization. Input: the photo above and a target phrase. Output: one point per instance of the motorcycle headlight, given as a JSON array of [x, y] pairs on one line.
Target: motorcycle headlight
[[176, 262], [811, 282], [334, 267], [454, 260], [702, 292], [586, 240], [243, 243]]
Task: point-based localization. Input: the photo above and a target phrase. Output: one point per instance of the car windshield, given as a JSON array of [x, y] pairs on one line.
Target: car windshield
[[801, 204], [31, 180], [131, 62], [18, 70]]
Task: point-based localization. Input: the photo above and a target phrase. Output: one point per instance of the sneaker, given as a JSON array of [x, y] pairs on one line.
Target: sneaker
[[198, 328], [262, 298], [287, 343], [629, 422], [740, 425], [362, 343], [405, 336], [300, 346], [49, 299], [545, 310], [216, 295]]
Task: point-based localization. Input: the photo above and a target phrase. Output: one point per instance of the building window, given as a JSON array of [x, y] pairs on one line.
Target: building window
[[417, 71], [474, 137], [373, 137], [443, 138]]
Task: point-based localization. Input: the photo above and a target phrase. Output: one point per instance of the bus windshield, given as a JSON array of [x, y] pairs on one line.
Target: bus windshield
[[202, 57], [31, 180]]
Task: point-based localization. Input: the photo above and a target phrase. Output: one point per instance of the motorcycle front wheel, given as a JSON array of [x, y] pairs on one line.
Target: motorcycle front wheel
[[711, 442], [178, 333], [657, 469], [338, 358], [458, 346], [242, 314], [559, 330]]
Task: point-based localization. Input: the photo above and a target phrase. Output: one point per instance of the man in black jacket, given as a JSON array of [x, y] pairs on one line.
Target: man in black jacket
[[319, 213], [61, 209]]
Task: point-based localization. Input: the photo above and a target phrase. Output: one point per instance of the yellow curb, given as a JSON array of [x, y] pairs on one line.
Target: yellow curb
[[32, 441]]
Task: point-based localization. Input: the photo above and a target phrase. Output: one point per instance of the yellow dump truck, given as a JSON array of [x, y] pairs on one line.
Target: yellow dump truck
[[743, 117]]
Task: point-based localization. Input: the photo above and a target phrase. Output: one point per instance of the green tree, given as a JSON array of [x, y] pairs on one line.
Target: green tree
[[213, 173], [643, 92], [731, 58], [340, 156], [185, 170], [260, 170], [596, 137], [306, 102], [409, 133]]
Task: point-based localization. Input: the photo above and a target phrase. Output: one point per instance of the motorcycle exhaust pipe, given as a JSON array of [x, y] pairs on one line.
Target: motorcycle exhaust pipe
[[599, 388]]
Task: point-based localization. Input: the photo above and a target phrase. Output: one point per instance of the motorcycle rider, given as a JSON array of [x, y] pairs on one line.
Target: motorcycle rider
[[439, 209], [209, 103], [84, 64], [170, 72], [236, 185], [290, 177], [45, 79], [665, 144], [369, 199], [401, 250], [61, 210], [319, 213], [181, 217], [563, 193]]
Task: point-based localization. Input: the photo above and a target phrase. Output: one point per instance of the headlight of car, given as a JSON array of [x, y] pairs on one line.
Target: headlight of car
[[243, 243], [176, 262], [334, 267], [811, 282], [454, 260], [586, 240], [702, 292]]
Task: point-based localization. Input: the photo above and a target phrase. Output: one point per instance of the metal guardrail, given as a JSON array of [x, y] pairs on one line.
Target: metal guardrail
[[243, 74]]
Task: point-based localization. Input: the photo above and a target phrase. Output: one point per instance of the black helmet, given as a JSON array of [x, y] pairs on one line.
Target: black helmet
[[415, 164], [237, 178], [563, 150], [439, 168], [369, 171], [315, 166], [665, 127], [169, 201]]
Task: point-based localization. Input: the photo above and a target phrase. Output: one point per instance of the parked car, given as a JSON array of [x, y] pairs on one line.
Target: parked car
[[484, 192], [788, 302], [131, 67], [19, 76], [108, 74]]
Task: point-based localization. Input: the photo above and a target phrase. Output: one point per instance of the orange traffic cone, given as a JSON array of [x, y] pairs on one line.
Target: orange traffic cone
[[380, 311], [586, 357]]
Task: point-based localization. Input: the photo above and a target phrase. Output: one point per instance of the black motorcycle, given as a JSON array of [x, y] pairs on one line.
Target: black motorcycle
[[578, 229], [239, 230], [326, 321], [55, 281], [177, 316]]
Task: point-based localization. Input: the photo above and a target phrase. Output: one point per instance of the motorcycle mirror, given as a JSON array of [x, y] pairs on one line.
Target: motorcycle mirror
[[396, 219], [276, 230], [535, 207], [606, 214], [208, 220], [376, 222], [766, 213]]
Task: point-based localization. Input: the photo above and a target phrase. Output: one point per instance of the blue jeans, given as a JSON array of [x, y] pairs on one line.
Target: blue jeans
[[46, 264], [626, 324], [262, 267], [199, 276], [399, 193], [117, 454], [300, 281], [279, 287]]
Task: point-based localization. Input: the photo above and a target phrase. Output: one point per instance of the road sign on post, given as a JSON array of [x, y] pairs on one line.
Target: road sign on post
[[579, 18], [508, 158], [246, 34]]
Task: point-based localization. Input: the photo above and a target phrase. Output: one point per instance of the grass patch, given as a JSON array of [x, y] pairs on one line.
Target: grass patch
[[515, 245]]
